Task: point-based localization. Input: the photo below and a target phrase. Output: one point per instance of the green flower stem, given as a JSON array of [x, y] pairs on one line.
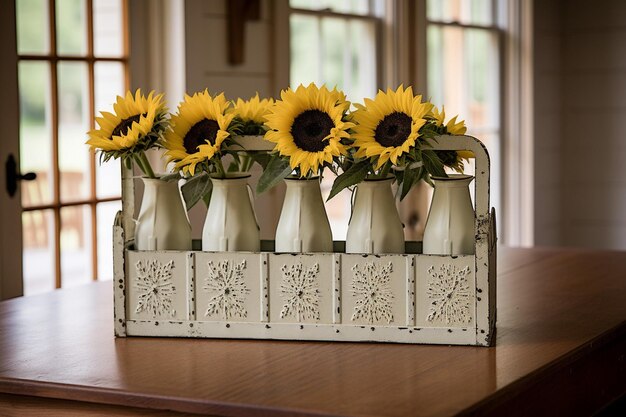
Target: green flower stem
[[144, 164], [250, 163], [139, 163], [220, 167], [246, 163], [384, 171]]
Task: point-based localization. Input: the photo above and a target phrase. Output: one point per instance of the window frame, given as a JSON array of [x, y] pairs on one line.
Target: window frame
[[404, 52], [370, 17], [53, 59], [495, 30]]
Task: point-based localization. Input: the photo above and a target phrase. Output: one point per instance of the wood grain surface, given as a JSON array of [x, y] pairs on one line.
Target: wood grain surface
[[560, 349]]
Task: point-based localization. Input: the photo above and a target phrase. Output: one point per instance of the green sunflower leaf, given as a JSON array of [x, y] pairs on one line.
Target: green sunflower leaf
[[170, 177], [411, 177], [261, 158], [207, 197], [196, 188], [235, 164], [276, 170], [433, 164], [354, 175]]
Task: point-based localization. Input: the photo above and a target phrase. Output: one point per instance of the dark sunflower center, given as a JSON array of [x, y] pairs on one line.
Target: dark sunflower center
[[199, 133], [125, 125], [309, 130], [393, 130]]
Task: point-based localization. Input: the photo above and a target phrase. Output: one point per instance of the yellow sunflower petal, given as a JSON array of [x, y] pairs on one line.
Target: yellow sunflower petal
[[283, 113], [369, 116]]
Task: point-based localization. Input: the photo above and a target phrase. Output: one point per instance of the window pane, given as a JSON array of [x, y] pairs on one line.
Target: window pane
[[71, 27], [35, 132], [463, 74], [38, 251], [76, 246], [363, 81], [109, 82], [305, 65], [108, 179], [107, 28], [483, 80], [32, 27], [106, 214], [360, 7], [73, 124], [335, 61], [338, 52], [477, 12]]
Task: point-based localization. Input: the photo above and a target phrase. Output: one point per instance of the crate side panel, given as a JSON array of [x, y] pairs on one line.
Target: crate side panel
[[229, 286], [157, 285], [482, 281], [302, 331], [374, 289], [119, 282], [301, 288], [445, 291]]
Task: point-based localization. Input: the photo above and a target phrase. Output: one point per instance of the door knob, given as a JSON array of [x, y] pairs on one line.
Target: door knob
[[13, 176]]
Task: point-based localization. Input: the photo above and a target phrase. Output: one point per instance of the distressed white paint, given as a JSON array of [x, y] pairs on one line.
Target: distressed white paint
[[374, 289], [301, 288], [228, 287], [119, 278], [304, 331], [157, 287], [312, 296]]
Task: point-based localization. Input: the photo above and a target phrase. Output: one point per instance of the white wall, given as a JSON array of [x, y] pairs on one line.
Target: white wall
[[580, 112], [547, 118], [594, 111]]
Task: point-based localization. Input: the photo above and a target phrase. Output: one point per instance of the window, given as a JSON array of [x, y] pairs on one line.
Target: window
[[463, 70], [449, 50], [72, 58], [336, 43]]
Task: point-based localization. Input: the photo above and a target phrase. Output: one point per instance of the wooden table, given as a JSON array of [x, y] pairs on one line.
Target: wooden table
[[561, 349]]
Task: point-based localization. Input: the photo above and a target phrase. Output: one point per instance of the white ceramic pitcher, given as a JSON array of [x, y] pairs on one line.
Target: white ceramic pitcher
[[303, 225], [231, 223], [162, 223], [375, 225], [449, 229]]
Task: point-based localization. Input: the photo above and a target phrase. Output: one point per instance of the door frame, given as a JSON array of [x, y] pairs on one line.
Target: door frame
[[11, 283]]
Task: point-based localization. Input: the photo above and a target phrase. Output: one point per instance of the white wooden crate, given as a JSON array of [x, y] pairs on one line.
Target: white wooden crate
[[406, 298]]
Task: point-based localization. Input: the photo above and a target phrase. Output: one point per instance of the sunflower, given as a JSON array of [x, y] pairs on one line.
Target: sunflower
[[135, 125], [340, 99], [252, 113], [389, 125], [453, 127], [197, 130], [307, 127]]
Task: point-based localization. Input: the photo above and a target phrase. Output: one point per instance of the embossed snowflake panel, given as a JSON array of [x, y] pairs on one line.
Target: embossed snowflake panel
[[445, 291], [374, 290], [157, 287], [301, 288], [229, 286]]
